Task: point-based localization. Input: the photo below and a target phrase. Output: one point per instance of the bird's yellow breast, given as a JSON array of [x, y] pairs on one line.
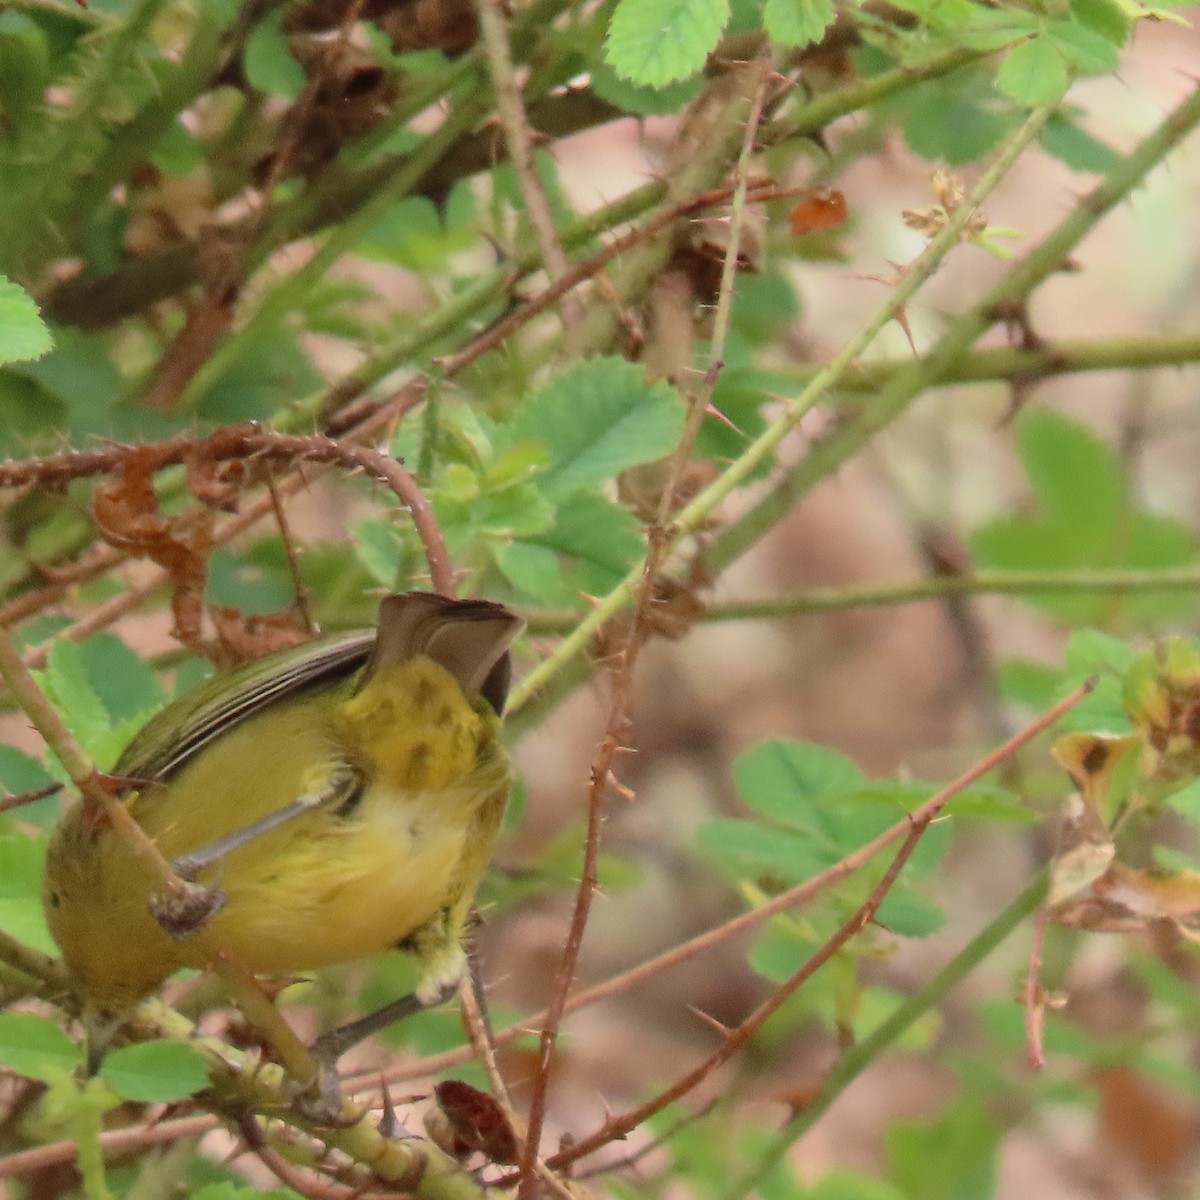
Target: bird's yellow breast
[[332, 885]]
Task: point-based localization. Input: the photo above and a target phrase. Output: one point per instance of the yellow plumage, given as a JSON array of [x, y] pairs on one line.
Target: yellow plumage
[[410, 782]]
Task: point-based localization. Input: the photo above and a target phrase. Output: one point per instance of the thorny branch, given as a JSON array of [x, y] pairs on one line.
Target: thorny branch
[[246, 442]]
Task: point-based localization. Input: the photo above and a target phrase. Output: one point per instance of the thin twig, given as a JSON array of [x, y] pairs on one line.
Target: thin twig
[[495, 334], [511, 109], [116, 1141], [618, 1126], [818, 600], [80, 769], [858, 1057], [1034, 997], [301, 597]]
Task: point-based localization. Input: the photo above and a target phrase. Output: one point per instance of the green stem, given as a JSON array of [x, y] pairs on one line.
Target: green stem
[[1067, 357], [821, 110], [856, 1060], [92, 1102], [939, 587]]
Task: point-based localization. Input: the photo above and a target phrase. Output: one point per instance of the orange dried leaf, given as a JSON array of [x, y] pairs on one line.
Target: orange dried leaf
[[824, 209]]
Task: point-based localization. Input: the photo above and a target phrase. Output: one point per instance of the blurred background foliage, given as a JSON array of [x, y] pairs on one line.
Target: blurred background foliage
[[305, 215]]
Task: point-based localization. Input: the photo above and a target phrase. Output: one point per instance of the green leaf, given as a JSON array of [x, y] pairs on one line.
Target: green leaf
[[1091, 652], [788, 779], [909, 914], [35, 1047], [1076, 147], [268, 61], [1089, 52], [951, 1158], [237, 1191], [850, 1185], [1033, 72], [1186, 801], [33, 418], [66, 676], [655, 42], [1105, 17], [23, 333], [642, 101], [272, 372], [1085, 520], [378, 547], [157, 1072], [1074, 473], [597, 419], [783, 946], [534, 570], [997, 28], [120, 678], [21, 772], [795, 23], [22, 864], [776, 858], [80, 372], [598, 540], [947, 127]]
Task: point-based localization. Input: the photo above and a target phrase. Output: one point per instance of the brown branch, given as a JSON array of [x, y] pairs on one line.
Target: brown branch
[[362, 422], [94, 301], [912, 827], [237, 442], [115, 1141]]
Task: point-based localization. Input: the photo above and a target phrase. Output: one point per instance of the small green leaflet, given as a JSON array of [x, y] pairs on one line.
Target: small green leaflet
[[655, 42], [596, 420], [158, 1072], [35, 1047], [23, 333], [796, 23]]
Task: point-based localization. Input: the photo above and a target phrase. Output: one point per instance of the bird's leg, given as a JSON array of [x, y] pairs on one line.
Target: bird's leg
[[438, 946], [323, 1103], [329, 1047], [341, 785]]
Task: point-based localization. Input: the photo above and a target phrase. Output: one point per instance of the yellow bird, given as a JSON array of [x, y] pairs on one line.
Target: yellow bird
[[339, 798]]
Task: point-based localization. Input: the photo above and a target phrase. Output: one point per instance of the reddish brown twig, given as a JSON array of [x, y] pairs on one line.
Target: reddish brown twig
[[238, 442], [507, 325], [114, 1141]]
